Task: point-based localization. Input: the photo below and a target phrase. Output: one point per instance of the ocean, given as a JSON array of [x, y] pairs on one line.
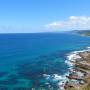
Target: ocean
[[36, 61]]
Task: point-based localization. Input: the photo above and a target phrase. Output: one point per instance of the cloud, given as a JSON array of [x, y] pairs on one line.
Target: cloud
[[73, 22]]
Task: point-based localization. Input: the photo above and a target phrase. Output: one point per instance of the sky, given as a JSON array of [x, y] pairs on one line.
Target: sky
[[28, 16]]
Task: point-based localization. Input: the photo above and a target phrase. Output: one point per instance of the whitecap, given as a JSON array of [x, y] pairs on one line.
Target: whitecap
[[62, 79]]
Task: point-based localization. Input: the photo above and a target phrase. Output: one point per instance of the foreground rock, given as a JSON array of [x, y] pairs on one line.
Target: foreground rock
[[79, 77]]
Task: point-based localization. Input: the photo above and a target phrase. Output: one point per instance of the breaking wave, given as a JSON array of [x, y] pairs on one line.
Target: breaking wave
[[60, 80]]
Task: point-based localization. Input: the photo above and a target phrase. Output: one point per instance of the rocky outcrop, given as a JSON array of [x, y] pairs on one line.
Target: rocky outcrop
[[79, 78]]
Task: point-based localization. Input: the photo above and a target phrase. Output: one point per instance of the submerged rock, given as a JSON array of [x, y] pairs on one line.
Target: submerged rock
[[2, 74], [21, 88]]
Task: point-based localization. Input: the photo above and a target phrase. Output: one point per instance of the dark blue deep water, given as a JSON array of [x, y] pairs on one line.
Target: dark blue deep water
[[25, 58]]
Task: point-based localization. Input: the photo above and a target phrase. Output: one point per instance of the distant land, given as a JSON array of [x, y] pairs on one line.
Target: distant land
[[83, 32]]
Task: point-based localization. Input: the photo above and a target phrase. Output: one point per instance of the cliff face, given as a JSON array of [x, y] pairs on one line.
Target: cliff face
[[79, 78]]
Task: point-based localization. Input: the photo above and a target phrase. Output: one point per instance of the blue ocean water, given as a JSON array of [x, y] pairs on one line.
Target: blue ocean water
[[25, 59]]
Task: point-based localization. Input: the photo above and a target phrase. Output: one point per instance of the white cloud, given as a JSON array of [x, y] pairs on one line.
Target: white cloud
[[73, 22]]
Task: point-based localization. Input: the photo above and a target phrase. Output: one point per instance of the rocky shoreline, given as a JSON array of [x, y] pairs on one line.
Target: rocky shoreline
[[79, 75]]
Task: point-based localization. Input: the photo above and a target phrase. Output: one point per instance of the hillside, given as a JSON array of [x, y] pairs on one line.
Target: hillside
[[83, 32]]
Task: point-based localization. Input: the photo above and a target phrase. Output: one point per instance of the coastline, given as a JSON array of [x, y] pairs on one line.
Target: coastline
[[79, 73]]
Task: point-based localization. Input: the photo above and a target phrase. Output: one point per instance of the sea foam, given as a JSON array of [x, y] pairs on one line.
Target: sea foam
[[60, 80]]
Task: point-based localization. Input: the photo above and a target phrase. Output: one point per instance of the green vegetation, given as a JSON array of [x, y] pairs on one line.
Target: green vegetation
[[84, 32]]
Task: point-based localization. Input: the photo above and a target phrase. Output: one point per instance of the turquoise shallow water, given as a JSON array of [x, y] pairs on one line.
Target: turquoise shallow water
[[26, 58]]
